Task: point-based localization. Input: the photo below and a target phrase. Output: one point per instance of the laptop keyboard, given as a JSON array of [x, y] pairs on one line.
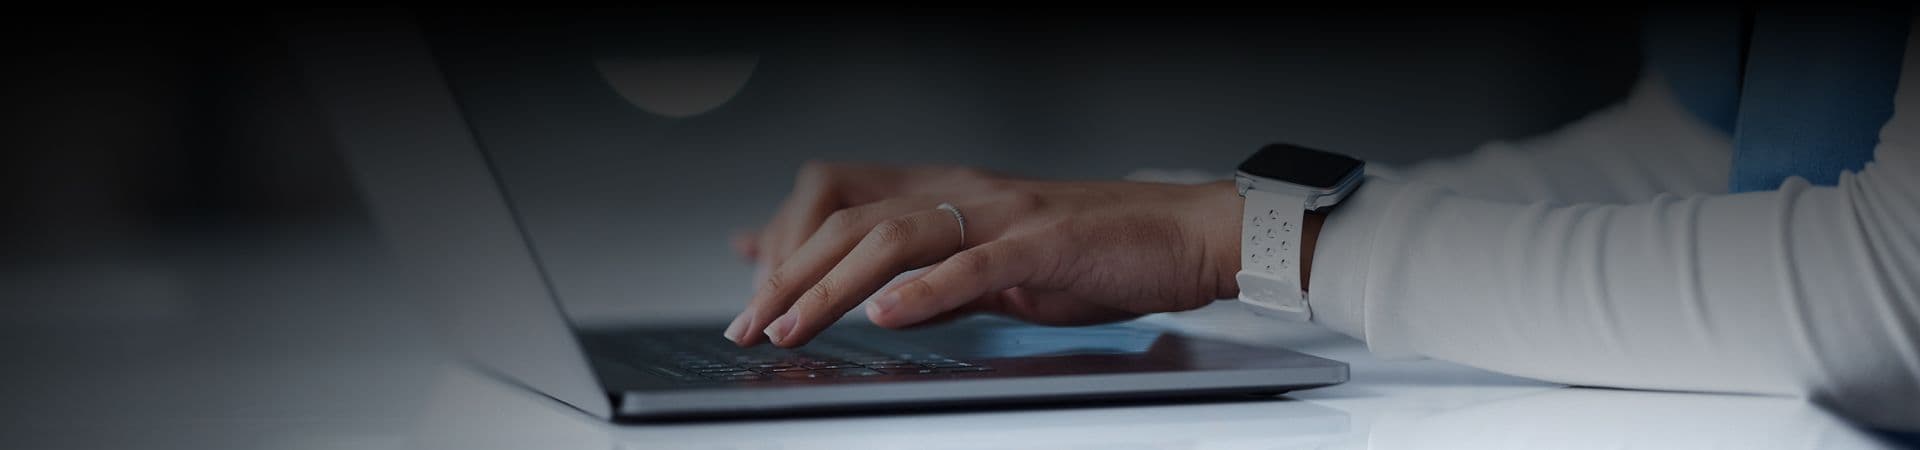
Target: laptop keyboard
[[702, 357]]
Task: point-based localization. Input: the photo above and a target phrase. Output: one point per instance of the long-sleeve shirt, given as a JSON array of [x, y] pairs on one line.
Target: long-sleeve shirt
[[1608, 253]]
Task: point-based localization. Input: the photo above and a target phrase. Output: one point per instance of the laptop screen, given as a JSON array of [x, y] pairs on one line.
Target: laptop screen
[[633, 142]]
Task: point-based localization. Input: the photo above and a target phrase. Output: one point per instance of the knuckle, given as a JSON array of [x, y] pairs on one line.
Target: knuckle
[[918, 289], [1024, 201], [843, 220], [893, 232], [820, 293], [972, 264], [775, 283]]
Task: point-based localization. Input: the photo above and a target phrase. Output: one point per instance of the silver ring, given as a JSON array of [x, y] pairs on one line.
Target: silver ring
[[957, 217]]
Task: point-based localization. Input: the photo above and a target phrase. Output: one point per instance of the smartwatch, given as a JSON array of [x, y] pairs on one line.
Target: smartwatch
[[1282, 183]]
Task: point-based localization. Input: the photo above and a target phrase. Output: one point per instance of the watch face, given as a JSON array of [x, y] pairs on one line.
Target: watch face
[[1300, 165]]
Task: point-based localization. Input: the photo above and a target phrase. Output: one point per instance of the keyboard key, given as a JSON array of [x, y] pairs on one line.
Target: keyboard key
[[754, 377], [854, 372], [896, 366], [737, 373], [806, 375], [968, 369], [697, 359], [915, 370], [676, 375]]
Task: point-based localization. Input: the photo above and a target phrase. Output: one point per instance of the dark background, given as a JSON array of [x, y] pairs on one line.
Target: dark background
[[127, 128]]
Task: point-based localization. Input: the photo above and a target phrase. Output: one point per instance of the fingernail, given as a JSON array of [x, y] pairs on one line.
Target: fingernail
[[778, 330], [886, 301], [736, 329], [874, 312]]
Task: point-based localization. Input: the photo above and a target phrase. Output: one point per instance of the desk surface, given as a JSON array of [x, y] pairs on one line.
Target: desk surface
[[249, 350]]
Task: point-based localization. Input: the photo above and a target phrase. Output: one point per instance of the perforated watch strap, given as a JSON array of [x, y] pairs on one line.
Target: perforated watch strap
[[1269, 274]]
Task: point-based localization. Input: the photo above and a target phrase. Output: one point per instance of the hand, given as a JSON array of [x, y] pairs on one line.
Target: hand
[[820, 189], [1057, 253]]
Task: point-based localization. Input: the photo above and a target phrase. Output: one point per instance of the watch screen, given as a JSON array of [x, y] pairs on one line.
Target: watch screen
[[1300, 165]]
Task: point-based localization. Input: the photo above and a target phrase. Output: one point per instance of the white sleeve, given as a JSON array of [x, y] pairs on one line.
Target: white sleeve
[[1807, 291], [1643, 146]]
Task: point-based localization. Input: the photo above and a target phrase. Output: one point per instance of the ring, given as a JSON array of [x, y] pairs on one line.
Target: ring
[[959, 218]]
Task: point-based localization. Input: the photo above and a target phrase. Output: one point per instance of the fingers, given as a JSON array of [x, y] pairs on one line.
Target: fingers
[[822, 188], [818, 190], [830, 244], [961, 278], [802, 212], [891, 247], [779, 285], [977, 306]]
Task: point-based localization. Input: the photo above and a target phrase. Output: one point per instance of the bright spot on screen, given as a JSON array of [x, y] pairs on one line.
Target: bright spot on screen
[[678, 87]]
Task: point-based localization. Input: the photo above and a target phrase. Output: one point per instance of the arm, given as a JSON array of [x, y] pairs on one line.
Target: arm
[[1631, 151], [1643, 146], [1811, 291]]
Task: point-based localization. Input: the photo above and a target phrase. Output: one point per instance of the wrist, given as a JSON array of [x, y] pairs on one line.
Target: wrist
[[1220, 238], [1309, 238], [1220, 243]]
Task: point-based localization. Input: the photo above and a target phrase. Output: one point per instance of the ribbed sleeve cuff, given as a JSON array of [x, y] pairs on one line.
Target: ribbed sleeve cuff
[[1342, 257]]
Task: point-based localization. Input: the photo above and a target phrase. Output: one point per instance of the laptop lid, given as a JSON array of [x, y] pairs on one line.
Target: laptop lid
[[437, 201]]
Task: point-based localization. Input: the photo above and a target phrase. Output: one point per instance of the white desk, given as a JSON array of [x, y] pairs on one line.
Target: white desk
[[249, 350]]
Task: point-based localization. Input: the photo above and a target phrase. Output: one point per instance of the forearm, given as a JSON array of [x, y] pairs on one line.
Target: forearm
[[1807, 291], [1628, 152], [1804, 291]]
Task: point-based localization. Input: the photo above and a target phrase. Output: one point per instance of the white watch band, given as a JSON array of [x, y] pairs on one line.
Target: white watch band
[[1269, 274]]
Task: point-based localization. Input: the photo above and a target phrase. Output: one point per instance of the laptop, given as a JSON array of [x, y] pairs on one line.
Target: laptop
[[443, 212]]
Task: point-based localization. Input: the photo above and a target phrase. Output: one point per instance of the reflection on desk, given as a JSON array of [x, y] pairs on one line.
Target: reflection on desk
[[254, 349], [469, 410], [1614, 419]]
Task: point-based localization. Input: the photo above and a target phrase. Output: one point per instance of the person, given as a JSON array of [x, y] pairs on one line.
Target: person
[[1621, 250]]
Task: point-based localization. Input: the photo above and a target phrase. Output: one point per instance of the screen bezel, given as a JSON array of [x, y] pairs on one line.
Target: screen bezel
[[1301, 165]]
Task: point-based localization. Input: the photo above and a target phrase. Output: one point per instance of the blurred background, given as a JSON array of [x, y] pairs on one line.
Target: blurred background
[[186, 261], [635, 141]]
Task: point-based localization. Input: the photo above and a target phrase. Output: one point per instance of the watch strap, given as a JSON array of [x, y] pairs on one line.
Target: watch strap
[[1269, 276]]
